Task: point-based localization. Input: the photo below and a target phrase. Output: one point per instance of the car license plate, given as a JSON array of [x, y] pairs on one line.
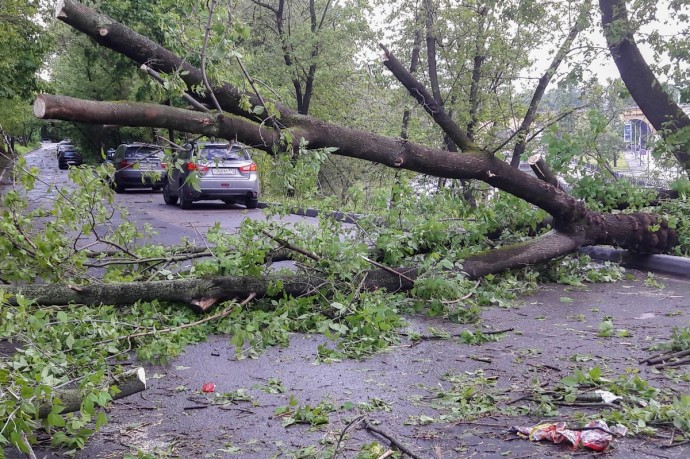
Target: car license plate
[[224, 171], [145, 167]]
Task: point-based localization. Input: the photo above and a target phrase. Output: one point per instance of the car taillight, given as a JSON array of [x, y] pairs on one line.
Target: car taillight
[[196, 167], [124, 164], [164, 165], [249, 168]]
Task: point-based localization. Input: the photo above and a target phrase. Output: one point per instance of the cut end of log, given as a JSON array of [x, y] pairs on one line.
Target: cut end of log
[[202, 305], [534, 159], [141, 375], [39, 107], [59, 12], [144, 68]]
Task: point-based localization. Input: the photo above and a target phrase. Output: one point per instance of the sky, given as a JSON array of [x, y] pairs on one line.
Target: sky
[[605, 68]]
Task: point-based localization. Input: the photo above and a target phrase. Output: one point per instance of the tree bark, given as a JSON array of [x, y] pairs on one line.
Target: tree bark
[[129, 383], [570, 215], [192, 291], [658, 107], [477, 62]]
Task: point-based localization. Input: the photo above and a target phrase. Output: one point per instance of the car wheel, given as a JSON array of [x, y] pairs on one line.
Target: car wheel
[[156, 188], [185, 201], [167, 197], [119, 188], [251, 203]]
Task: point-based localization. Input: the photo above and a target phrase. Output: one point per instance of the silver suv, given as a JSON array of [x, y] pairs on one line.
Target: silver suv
[[138, 165], [208, 171]]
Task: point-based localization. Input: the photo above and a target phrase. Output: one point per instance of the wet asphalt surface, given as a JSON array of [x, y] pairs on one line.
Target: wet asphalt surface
[[173, 418], [554, 332]]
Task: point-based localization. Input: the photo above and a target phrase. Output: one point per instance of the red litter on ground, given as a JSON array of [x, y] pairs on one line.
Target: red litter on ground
[[596, 435], [208, 387]]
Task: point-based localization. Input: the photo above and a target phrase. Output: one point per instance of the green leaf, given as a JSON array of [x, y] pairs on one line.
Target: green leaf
[[55, 420], [101, 420]]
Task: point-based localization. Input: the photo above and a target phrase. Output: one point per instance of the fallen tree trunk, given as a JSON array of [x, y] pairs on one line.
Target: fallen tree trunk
[[199, 292], [576, 224], [194, 291], [128, 383]]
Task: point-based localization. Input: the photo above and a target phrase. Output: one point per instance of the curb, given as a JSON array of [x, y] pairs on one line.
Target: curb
[[667, 264]]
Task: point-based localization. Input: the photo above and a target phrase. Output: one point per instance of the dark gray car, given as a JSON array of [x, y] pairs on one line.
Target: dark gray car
[[209, 171], [138, 165], [62, 147], [69, 158]]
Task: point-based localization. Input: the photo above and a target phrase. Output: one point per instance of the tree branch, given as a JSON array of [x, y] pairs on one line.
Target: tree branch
[[427, 101], [524, 128]]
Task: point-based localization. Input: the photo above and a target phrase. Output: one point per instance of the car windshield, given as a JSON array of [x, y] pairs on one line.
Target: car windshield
[[218, 152], [143, 153]]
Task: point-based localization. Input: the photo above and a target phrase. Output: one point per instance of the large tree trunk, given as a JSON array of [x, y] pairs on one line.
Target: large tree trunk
[[571, 217], [658, 107]]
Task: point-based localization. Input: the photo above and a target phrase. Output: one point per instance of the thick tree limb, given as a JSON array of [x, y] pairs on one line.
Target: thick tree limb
[[190, 291], [111, 34], [129, 383], [352, 143], [544, 248], [542, 171], [427, 101], [571, 217]]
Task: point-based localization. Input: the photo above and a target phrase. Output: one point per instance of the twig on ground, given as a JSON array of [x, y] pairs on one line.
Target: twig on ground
[[354, 422], [680, 443], [29, 451], [293, 247], [393, 441], [676, 363], [658, 358], [458, 335], [464, 297]]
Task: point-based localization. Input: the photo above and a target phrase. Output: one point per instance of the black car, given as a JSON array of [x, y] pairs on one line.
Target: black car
[[69, 158], [62, 147]]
